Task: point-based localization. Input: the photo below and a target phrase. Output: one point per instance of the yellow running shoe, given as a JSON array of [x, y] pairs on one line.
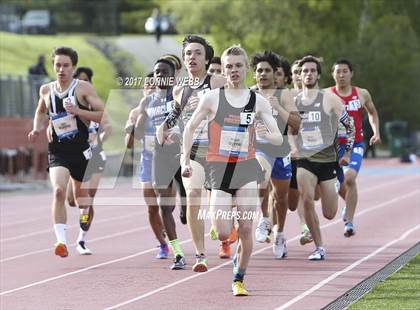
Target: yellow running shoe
[[239, 289]]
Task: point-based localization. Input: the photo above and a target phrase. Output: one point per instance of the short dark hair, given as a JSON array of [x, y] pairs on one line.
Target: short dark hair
[[68, 51], [343, 61], [86, 70], [311, 58], [268, 56], [284, 63], [166, 61], [216, 60], [191, 38], [175, 59]]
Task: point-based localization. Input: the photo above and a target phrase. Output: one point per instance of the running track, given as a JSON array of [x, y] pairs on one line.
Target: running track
[[123, 273]]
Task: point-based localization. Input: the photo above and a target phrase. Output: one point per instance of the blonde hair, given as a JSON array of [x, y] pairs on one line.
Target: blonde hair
[[235, 50]]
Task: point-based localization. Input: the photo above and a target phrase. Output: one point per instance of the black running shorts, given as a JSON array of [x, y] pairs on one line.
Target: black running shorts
[[323, 171], [229, 177]]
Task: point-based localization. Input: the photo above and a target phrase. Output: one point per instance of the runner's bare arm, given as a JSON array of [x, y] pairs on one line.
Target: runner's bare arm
[[373, 116], [336, 106], [289, 104], [89, 96], [129, 125], [40, 114], [292, 139], [203, 110], [106, 128], [217, 81], [141, 120], [263, 110]]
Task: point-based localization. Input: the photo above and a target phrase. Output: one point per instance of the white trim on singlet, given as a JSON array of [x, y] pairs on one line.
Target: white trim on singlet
[[54, 92]]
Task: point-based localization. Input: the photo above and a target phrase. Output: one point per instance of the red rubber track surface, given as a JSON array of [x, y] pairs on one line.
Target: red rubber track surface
[[123, 272]]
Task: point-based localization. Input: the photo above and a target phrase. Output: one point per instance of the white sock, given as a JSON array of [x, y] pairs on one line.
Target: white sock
[[82, 235], [84, 211], [60, 233]]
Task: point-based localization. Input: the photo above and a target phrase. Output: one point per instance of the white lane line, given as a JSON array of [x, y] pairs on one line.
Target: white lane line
[[50, 249], [4, 222], [64, 275], [153, 249], [40, 232], [348, 268], [105, 220], [34, 210], [229, 262]]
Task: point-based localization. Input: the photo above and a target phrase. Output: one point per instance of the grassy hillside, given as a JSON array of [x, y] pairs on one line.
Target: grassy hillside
[[19, 52]]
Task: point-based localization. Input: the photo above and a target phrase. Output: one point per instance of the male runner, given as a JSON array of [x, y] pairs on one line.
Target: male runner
[[71, 105], [165, 164], [355, 100], [225, 251], [98, 133], [293, 197], [274, 159], [232, 167], [196, 53], [215, 67], [145, 173], [317, 148]]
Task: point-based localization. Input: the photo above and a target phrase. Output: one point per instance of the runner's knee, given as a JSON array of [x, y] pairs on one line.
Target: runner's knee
[[329, 214], [59, 193]]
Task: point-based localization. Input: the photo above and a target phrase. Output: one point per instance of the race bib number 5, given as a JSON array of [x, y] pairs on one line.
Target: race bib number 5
[[247, 118]]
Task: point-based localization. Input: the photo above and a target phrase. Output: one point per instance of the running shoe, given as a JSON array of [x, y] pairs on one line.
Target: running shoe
[[82, 249], [305, 237], [61, 250], [279, 246], [262, 232], [225, 251], [163, 251], [179, 263], [348, 229], [318, 254], [183, 214], [213, 233], [200, 263], [86, 219], [239, 289]]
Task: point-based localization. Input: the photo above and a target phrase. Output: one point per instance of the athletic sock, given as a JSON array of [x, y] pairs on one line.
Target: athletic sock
[[84, 211], [304, 227], [239, 275], [176, 248], [82, 235], [60, 233]]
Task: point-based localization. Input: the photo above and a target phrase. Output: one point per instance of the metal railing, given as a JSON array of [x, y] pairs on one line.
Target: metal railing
[[19, 94]]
